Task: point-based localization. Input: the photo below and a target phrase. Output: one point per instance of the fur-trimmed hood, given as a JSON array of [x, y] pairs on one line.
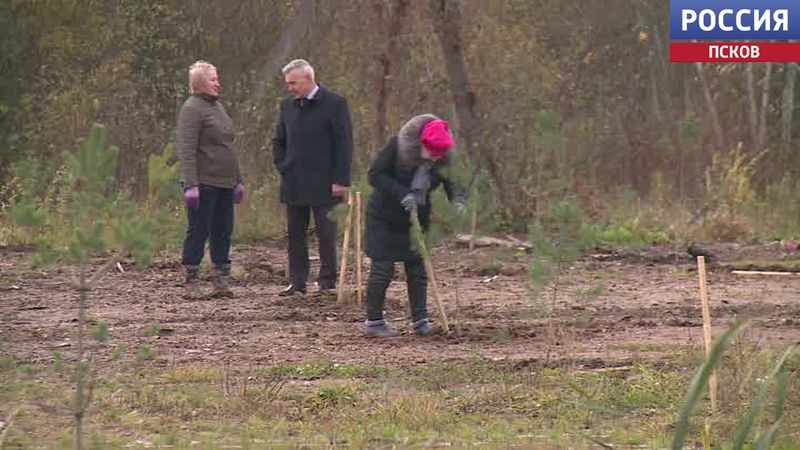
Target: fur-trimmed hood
[[409, 148]]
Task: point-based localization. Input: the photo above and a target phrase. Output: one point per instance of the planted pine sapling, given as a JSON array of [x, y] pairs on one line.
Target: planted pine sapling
[[105, 223]]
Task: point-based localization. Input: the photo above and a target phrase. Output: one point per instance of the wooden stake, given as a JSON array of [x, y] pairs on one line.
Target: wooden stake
[[426, 259], [472, 226], [458, 319], [712, 381], [340, 294], [359, 261]]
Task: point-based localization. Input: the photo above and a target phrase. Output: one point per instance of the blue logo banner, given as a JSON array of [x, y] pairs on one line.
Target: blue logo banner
[[735, 20]]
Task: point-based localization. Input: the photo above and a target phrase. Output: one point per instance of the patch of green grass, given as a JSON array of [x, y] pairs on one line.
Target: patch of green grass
[[466, 403], [332, 395], [628, 233], [324, 370], [647, 347], [192, 374], [7, 362], [438, 376], [144, 353]]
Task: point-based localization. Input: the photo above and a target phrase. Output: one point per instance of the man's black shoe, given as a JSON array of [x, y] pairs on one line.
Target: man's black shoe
[[292, 290]]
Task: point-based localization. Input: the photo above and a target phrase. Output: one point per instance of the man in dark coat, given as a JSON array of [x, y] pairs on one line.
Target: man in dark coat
[[403, 174], [312, 150]]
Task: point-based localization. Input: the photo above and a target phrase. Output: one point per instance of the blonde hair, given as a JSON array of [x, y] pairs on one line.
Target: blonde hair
[[197, 70], [301, 64]]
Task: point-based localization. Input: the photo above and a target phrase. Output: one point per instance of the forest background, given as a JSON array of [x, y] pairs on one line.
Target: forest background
[[552, 101]]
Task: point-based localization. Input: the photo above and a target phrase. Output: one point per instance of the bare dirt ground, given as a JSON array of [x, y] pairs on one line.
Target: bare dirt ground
[[609, 308]]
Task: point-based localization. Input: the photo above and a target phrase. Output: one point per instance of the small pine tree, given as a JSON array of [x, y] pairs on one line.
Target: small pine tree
[[104, 222], [558, 239]]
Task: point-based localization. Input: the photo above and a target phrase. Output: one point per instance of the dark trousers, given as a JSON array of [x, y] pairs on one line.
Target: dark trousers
[[213, 220], [298, 218], [380, 276]]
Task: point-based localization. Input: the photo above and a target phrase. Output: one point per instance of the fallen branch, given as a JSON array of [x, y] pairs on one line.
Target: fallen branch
[[762, 272], [488, 241]]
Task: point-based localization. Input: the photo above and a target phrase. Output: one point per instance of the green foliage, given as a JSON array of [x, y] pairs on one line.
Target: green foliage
[[162, 177], [729, 180], [95, 217], [118, 353], [779, 375], [730, 194], [627, 233], [100, 219], [27, 213], [699, 382], [100, 332], [558, 239], [59, 365], [333, 395], [780, 371], [144, 353]]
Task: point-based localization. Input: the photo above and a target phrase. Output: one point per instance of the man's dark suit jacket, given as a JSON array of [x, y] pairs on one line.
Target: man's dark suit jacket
[[312, 148]]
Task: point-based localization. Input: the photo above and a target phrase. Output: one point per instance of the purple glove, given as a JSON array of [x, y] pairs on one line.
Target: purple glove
[[192, 197], [238, 193]]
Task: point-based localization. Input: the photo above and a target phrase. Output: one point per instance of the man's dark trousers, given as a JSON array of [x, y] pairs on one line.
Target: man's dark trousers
[[298, 219]]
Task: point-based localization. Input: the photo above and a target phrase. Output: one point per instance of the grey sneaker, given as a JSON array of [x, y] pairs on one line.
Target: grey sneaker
[[423, 327], [379, 328]]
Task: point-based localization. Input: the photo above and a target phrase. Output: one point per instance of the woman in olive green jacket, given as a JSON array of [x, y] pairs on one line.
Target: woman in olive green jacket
[[212, 179]]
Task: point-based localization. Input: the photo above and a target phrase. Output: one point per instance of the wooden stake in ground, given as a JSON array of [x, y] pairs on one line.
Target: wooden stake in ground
[[359, 258], [340, 294], [473, 225], [712, 381], [426, 258]]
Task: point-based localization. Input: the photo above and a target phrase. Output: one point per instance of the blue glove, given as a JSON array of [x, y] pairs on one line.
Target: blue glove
[[409, 202]]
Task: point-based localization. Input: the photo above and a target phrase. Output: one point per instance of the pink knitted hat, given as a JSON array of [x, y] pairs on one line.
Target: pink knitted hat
[[436, 137]]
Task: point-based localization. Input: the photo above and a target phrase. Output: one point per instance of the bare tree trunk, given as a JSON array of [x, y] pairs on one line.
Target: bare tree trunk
[[752, 116], [762, 129], [303, 14], [719, 136], [787, 104], [447, 21], [388, 59]]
